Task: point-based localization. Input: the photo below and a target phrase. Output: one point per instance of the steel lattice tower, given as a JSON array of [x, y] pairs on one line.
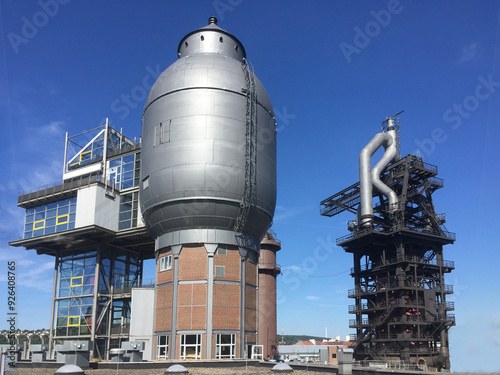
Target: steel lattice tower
[[401, 312]]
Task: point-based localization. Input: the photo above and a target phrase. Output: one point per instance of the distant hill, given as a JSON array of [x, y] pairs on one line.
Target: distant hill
[[292, 339]]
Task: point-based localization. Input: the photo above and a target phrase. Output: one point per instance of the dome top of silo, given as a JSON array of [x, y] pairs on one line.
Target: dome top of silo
[[211, 39]]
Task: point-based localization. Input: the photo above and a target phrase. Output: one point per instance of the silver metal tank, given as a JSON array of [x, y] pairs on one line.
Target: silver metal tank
[[208, 171]]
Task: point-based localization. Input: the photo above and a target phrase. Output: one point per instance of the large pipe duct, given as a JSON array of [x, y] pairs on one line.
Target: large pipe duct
[[369, 178]]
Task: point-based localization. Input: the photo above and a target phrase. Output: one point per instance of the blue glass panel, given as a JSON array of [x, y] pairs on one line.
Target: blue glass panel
[[29, 218], [124, 225], [40, 209], [128, 175], [90, 261], [62, 203], [64, 302], [128, 158], [62, 227], [127, 215], [72, 208], [51, 205], [38, 232], [89, 270], [51, 213], [99, 142], [115, 162], [65, 273], [74, 311], [30, 211], [62, 311], [72, 217], [77, 271], [28, 234], [78, 262], [127, 184], [50, 222], [71, 225], [50, 230], [63, 292], [40, 216]]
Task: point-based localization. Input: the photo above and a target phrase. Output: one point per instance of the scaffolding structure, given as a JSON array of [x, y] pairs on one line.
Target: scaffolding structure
[[401, 312]]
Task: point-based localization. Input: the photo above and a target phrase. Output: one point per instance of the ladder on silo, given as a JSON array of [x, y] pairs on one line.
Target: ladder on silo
[[249, 195]]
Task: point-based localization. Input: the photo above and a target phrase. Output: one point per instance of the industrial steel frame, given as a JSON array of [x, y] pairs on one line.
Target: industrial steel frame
[[401, 312]]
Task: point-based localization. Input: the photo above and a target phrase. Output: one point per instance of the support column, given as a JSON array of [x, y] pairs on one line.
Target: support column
[[176, 250], [243, 254], [94, 304], [211, 248], [52, 317]]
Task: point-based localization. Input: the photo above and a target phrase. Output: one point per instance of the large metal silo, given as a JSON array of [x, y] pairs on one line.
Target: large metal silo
[[208, 193], [208, 146]]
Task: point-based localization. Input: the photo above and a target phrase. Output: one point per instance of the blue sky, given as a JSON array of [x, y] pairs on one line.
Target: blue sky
[[334, 71]]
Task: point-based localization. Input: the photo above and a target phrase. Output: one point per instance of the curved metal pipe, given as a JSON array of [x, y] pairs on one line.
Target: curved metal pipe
[[369, 178], [390, 154]]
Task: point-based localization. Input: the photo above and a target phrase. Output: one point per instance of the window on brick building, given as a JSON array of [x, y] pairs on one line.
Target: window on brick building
[[220, 271], [191, 346], [225, 346], [166, 263], [162, 347], [334, 355], [222, 251]]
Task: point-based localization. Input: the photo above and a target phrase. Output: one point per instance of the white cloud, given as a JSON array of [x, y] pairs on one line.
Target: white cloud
[[31, 271], [292, 268], [468, 53], [312, 297], [52, 128]]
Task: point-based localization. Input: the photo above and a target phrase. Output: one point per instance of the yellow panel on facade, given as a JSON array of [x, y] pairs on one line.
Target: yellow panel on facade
[[62, 219], [40, 224], [77, 281], [85, 153], [73, 321]]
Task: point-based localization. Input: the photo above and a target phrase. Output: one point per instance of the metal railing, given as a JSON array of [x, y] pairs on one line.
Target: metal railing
[[406, 258], [379, 229], [62, 186]]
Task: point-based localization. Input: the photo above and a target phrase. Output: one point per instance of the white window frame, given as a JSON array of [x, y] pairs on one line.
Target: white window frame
[[219, 346], [160, 346], [166, 263], [197, 347]]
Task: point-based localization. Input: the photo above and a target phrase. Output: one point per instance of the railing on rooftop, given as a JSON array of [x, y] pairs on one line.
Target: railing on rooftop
[[406, 258], [61, 186], [382, 286], [126, 286]]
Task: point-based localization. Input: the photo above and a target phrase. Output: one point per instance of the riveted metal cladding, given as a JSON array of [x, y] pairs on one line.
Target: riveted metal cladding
[[208, 142]]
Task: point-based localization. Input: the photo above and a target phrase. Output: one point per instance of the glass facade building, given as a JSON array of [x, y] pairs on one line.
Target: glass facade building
[[50, 218], [91, 224]]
